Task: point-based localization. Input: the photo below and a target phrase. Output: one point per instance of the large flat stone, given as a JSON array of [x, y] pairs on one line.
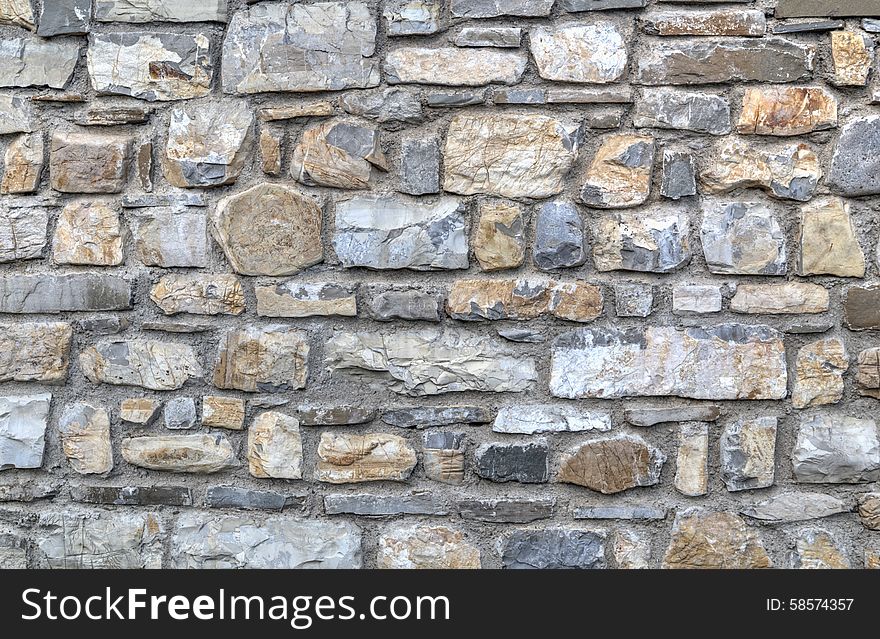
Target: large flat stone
[[89, 162], [549, 418], [168, 237], [32, 62], [140, 362], [160, 10], [743, 238], [62, 293], [63, 17], [786, 508], [23, 422], [683, 110], [23, 164], [651, 241], [347, 458], [35, 352], [523, 463], [266, 359], [496, 8], [833, 449], [85, 438], [612, 465], [784, 110], [339, 153], [479, 300], [862, 308], [16, 114], [588, 53], [180, 453], [426, 547], [453, 66], [619, 175], [554, 548], [716, 540]]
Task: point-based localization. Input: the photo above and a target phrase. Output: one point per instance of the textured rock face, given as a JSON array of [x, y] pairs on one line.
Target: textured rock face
[[22, 233], [499, 155], [85, 438], [559, 236], [654, 241], [743, 238], [619, 176], [453, 66], [836, 450], [23, 164], [548, 418], [413, 17], [420, 166], [35, 352], [88, 233], [706, 23], [729, 361], [426, 547], [714, 540], [338, 154], [88, 162], [748, 454], [776, 299], [275, 446], [816, 549], [477, 300], [692, 466], [612, 465], [211, 295], [854, 163], [332, 43], [305, 300], [784, 111], [17, 13], [684, 110], [358, 458], [430, 362], [34, 62], [862, 308], [160, 11], [268, 359], [829, 245], [223, 412], [23, 422], [388, 233], [819, 373], [264, 542], [269, 230], [523, 463], [16, 114], [57, 294], [65, 17], [168, 238], [499, 241], [869, 510], [554, 549], [852, 55], [868, 373], [591, 53], [180, 453], [146, 363], [792, 507]]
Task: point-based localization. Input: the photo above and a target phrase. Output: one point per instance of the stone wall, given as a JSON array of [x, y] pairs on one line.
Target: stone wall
[[519, 283]]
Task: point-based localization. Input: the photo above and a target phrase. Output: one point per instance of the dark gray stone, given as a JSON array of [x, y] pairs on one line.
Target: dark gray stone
[[443, 440], [524, 463], [633, 300], [428, 417], [247, 499], [28, 491], [406, 305], [559, 236], [683, 110], [805, 328], [679, 175], [519, 96], [604, 119], [384, 505], [60, 17], [649, 513], [600, 5], [132, 495], [420, 166], [523, 335], [386, 105], [554, 549], [334, 415], [456, 98], [812, 27], [62, 293], [652, 416], [495, 8], [103, 325], [826, 8], [180, 413], [506, 511], [855, 163]]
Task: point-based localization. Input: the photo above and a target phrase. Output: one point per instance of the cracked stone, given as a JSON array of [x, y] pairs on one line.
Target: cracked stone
[[742, 22], [478, 300], [833, 449], [346, 458], [784, 111], [385, 105], [702, 539], [630, 550], [829, 245], [23, 164], [141, 362], [506, 511], [266, 359], [16, 114], [549, 418], [223, 412], [275, 446], [683, 110], [523, 463], [499, 241], [299, 299], [17, 13], [743, 238], [413, 17], [589, 53], [88, 233], [166, 237], [869, 510], [180, 453], [612, 465], [35, 352], [817, 549], [777, 299], [453, 66], [651, 241], [63, 17], [32, 62], [443, 457], [645, 417], [619, 176], [89, 162], [407, 305], [868, 373], [748, 453], [160, 11], [141, 410], [426, 547], [23, 422], [553, 549], [199, 294], [338, 154], [84, 429], [819, 373], [852, 55], [428, 416], [63, 293], [788, 508], [504, 37], [559, 236]]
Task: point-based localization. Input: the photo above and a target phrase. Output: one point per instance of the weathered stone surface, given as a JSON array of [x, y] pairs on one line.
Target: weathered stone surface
[[833, 449], [602, 5], [208, 146], [787, 172], [855, 163], [443, 457], [88, 233], [645, 417], [387, 232], [151, 66], [783, 111], [591, 53], [140, 362], [23, 422], [817, 549], [167, 238], [549, 418], [99, 540], [413, 17], [488, 37], [728, 361], [869, 510], [822, 8], [744, 22], [234, 497], [28, 492], [731, 60], [180, 413], [269, 230], [199, 294], [786, 508], [683, 110], [395, 104], [317, 109], [636, 513], [133, 495], [630, 550], [63, 17], [495, 8], [408, 305], [23, 164], [692, 466], [85, 438], [829, 245], [559, 236], [453, 66], [702, 539], [775, 299], [346, 458], [430, 361], [16, 114], [852, 55], [180, 453], [819, 373], [522, 335], [499, 241], [633, 300], [808, 27], [264, 542], [619, 176], [61, 293], [338, 154], [139, 410], [748, 453], [523, 463], [160, 11], [453, 99], [270, 143], [862, 308], [420, 166], [34, 352], [872, 559], [426, 547], [275, 446], [696, 298], [267, 359], [743, 238], [17, 13], [508, 155], [111, 115], [384, 506], [506, 511], [29, 62], [553, 549], [293, 299], [652, 241], [868, 373], [223, 412], [430, 416], [332, 43], [89, 162], [478, 300], [612, 465]]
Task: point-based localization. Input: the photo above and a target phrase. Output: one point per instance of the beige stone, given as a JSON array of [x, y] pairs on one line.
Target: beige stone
[[853, 57], [85, 438], [783, 110], [17, 13], [478, 300], [775, 299], [453, 66], [499, 241], [714, 540], [619, 175], [630, 550], [739, 22], [88, 233], [344, 458], [829, 245], [872, 559], [23, 233], [89, 162], [275, 446], [140, 362], [270, 151], [293, 299], [869, 510], [291, 112], [585, 53], [868, 373], [612, 465], [262, 359], [23, 164], [269, 230], [35, 352], [692, 467], [199, 294], [223, 412], [180, 453], [139, 410], [819, 373], [426, 547], [817, 550], [336, 154]]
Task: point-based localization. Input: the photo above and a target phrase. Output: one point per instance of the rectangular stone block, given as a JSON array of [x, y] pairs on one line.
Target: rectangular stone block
[[62, 293]]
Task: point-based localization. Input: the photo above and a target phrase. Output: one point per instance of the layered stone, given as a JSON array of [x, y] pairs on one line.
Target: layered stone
[[199, 294], [619, 175], [267, 359], [554, 548], [586, 53], [651, 241], [522, 463], [785, 111], [496, 8], [612, 465], [348, 458], [696, 298], [549, 418], [786, 508], [142, 11], [443, 457], [202, 454], [413, 17], [746, 22], [869, 510], [166, 237], [868, 373], [339, 154], [139, 410], [223, 412], [274, 446], [63, 293], [453, 66], [293, 299], [683, 110], [819, 370], [85, 438], [34, 62], [692, 465], [748, 453], [478, 300], [146, 363]]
